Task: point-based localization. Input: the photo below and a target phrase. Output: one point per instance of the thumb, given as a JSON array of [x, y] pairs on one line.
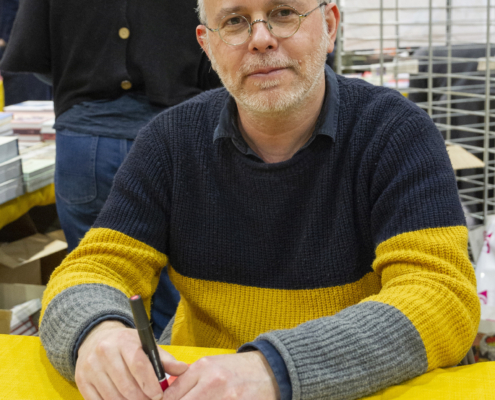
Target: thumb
[[171, 365]]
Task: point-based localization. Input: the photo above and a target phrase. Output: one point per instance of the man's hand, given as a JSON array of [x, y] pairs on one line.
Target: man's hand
[[241, 376], [112, 365]]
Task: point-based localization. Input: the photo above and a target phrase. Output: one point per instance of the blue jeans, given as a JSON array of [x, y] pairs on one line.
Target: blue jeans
[[84, 172]]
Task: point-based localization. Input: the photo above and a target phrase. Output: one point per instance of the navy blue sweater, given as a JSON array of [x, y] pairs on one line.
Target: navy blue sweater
[[349, 258]]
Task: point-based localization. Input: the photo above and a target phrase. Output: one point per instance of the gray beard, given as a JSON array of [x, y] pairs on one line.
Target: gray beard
[[282, 101]]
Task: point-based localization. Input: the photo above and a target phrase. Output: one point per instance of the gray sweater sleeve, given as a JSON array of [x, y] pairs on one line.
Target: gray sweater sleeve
[[70, 313], [362, 349]]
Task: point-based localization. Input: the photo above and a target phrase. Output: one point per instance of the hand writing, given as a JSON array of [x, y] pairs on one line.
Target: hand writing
[[112, 365]]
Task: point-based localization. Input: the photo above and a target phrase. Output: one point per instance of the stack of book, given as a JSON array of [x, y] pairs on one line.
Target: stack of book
[[5, 124], [11, 179], [48, 133], [38, 166], [29, 117]]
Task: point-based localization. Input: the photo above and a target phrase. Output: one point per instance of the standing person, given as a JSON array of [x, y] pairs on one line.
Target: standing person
[[312, 223], [18, 86], [114, 66], [8, 11]]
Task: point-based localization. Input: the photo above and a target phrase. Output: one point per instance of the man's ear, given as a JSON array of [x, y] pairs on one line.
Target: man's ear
[[332, 16], [201, 35]]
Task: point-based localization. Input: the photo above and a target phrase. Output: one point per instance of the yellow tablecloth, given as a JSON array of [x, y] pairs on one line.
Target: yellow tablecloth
[[25, 374], [19, 206]]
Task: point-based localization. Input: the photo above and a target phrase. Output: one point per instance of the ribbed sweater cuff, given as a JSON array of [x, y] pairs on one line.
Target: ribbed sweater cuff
[[69, 315], [362, 349]]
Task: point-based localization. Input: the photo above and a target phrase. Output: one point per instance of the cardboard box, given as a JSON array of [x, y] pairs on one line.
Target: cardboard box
[[17, 293], [29, 273], [12, 295], [5, 316], [31, 260], [463, 159]]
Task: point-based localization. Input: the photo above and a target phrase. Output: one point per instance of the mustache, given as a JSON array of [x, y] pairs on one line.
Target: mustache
[[267, 61]]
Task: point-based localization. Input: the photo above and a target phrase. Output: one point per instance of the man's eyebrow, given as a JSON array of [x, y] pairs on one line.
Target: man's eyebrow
[[298, 5], [228, 10]]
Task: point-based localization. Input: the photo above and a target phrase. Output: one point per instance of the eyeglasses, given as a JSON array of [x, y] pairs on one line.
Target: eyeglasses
[[283, 22]]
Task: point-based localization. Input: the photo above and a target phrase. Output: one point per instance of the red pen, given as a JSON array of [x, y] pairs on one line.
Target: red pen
[[143, 327]]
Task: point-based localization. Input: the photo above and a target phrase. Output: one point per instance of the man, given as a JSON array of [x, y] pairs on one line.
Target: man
[[114, 67], [310, 221]]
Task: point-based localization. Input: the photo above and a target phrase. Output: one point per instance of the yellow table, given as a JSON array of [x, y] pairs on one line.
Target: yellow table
[[26, 373], [19, 206]]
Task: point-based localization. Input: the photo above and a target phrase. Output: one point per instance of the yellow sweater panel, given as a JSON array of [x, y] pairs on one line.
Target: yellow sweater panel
[[427, 275], [225, 315], [111, 258]]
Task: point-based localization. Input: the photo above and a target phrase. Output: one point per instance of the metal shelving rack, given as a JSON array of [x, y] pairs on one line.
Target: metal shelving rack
[[445, 47]]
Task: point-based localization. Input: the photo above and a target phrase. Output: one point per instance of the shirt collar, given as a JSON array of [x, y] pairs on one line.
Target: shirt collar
[[326, 124]]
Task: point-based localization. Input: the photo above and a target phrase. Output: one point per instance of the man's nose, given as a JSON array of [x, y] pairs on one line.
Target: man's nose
[[261, 38]]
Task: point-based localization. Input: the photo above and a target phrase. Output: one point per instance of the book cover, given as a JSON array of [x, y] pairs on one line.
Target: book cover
[[8, 148], [27, 131], [5, 118], [31, 105]]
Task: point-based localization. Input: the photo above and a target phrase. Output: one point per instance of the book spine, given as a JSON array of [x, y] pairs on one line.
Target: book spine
[[26, 131]]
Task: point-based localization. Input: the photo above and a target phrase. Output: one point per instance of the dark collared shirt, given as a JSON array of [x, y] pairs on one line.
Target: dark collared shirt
[[325, 125]]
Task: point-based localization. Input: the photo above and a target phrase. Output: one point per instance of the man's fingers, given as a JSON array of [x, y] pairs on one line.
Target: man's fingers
[[140, 368], [165, 356], [175, 368], [170, 364], [92, 380], [111, 376], [89, 392], [106, 388], [181, 386], [129, 387]]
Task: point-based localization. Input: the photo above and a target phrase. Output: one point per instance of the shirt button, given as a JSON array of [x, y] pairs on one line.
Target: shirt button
[[124, 33], [126, 85]]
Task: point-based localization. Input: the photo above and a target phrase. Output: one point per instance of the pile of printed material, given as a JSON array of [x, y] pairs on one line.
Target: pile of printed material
[[11, 182], [22, 321], [32, 121], [5, 124], [28, 140], [38, 165]]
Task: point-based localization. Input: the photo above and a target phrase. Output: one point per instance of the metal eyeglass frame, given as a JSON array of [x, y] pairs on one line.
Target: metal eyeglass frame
[[250, 28]]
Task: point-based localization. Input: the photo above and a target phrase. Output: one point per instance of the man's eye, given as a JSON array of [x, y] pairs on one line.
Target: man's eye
[[283, 13], [234, 21]]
